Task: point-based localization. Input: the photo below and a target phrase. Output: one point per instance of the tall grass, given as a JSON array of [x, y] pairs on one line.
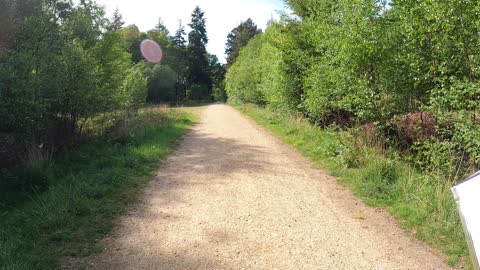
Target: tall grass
[[420, 200], [84, 190]]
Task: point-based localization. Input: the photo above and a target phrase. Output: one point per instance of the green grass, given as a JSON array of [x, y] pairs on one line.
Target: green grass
[[421, 202], [85, 190]]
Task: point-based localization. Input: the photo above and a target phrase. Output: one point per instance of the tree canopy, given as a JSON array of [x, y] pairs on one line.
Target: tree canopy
[[239, 38]]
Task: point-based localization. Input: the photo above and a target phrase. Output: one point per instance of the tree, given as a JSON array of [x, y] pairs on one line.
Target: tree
[[133, 37], [179, 38], [244, 77], [134, 89], [180, 65], [161, 83], [239, 38], [198, 34], [64, 68], [117, 22], [216, 72], [197, 61], [86, 22], [113, 64], [160, 27]]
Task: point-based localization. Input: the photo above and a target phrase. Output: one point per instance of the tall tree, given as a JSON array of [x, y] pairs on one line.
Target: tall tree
[[199, 28], [160, 27], [117, 22], [197, 53], [239, 38], [179, 38], [181, 64]]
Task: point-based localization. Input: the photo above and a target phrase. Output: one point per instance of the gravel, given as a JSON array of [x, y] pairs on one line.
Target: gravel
[[233, 196]]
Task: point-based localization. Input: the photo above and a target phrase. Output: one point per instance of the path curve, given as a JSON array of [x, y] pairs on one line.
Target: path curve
[[235, 197]]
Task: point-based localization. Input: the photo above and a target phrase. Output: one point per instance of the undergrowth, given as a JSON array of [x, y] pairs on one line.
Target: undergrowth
[[420, 200], [82, 190]]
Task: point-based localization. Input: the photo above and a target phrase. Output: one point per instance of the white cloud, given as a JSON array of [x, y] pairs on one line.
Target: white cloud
[[222, 16]]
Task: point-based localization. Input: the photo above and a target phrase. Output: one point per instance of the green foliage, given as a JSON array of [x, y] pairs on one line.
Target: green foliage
[[64, 66], [239, 38], [113, 64], [190, 63], [265, 73], [352, 62], [62, 63], [219, 93], [282, 61], [243, 77], [132, 38], [135, 89], [161, 83], [198, 92], [217, 75], [37, 93]]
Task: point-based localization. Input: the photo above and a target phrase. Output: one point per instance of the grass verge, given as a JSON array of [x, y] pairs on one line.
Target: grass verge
[[421, 202], [85, 190]]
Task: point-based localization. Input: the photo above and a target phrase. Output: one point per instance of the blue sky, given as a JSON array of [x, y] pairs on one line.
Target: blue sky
[[222, 16]]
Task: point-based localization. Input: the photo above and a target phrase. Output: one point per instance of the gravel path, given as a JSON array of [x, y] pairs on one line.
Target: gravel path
[[235, 197]]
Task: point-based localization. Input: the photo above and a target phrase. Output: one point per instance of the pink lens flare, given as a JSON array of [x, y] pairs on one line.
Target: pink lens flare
[[151, 51]]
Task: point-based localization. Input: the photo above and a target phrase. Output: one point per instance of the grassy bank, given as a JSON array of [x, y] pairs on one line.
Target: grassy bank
[[85, 189], [421, 201]]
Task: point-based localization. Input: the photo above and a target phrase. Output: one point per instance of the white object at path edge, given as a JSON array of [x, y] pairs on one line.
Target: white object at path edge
[[467, 196]]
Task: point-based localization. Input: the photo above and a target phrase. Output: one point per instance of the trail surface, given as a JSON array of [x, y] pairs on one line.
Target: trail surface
[[235, 197]]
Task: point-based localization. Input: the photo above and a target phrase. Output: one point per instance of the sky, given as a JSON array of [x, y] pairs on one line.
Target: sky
[[222, 15]]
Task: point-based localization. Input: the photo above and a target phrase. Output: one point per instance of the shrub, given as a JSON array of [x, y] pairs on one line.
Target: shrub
[[197, 92]]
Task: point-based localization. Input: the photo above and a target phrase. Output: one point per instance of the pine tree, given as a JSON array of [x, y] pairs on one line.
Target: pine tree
[[239, 38], [160, 27], [118, 22], [197, 61], [179, 38], [198, 34]]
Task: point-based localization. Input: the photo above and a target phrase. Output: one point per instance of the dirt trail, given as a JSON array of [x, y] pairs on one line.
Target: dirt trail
[[235, 197]]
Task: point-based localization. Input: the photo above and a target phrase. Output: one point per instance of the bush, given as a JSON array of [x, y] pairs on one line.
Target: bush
[[161, 83], [243, 76], [197, 92], [219, 92]]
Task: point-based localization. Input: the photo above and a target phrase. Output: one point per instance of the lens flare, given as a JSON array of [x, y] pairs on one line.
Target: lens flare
[[151, 51]]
